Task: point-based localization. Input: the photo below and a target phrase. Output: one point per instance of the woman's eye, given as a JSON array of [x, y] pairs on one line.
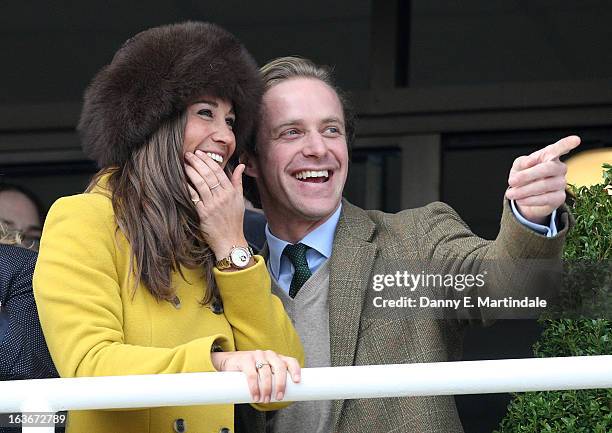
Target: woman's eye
[[205, 112], [230, 122], [333, 129]]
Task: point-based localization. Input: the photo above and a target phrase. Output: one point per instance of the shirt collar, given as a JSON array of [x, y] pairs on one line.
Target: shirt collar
[[320, 239]]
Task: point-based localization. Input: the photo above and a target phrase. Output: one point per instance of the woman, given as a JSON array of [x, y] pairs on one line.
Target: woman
[[148, 272]]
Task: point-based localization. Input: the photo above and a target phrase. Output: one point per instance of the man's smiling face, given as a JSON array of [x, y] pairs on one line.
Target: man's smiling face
[[302, 159]]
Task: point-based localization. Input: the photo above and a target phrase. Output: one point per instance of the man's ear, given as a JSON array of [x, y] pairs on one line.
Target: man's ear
[[251, 164]]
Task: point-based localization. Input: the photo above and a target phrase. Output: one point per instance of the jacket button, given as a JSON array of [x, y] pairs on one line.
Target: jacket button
[[179, 426], [225, 430]]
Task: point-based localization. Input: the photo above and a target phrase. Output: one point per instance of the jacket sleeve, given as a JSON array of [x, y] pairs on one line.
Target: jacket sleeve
[[447, 235], [257, 317], [76, 285], [519, 262]]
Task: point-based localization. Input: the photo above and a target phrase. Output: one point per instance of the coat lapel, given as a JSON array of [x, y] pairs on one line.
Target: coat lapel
[[351, 267]]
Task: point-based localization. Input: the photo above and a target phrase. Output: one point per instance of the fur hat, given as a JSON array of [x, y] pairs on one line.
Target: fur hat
[[154, 76]]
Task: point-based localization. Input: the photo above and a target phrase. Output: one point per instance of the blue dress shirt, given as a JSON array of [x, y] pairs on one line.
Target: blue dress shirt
[[321, 241]]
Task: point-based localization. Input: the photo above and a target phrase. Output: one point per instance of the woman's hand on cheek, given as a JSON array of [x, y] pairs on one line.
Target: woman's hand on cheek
[[221, 203]]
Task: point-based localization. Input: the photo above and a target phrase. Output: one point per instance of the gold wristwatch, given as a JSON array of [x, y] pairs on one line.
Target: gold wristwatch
[[239, 257]]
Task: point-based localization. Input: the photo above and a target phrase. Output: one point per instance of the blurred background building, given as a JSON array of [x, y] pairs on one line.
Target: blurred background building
[[447, 93]]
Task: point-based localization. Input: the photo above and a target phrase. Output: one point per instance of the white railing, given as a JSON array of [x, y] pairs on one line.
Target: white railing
[[443, 378]]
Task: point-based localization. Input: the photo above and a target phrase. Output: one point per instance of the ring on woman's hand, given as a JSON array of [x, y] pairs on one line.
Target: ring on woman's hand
[[214, 186], [196, 200], [260, 364]]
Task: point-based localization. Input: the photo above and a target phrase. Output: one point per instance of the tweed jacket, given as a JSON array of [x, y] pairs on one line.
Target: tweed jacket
[[97, 324], [23, 351], [365, 242]]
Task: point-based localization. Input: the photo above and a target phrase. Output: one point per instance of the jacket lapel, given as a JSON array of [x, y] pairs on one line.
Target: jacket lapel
[[351, 267]]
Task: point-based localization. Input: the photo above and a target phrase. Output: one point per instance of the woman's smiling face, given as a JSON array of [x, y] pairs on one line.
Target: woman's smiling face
[[209, 128]]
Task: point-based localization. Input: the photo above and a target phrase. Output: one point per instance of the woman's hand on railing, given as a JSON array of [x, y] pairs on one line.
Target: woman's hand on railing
[[259, 367]]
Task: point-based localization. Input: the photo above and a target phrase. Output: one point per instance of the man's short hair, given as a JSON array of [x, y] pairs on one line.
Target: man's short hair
[[286, 68]]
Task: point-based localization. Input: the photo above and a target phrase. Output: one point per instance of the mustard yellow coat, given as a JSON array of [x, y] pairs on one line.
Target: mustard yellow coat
[[95, 325]]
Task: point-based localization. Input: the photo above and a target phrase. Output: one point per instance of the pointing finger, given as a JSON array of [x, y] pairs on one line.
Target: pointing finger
[[560, 148]]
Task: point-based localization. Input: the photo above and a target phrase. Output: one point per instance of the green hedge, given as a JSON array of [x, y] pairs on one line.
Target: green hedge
[[586, 410]]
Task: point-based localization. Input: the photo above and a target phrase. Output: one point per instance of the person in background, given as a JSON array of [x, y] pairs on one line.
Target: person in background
[[21, 210], [23, 350], [148, 272]]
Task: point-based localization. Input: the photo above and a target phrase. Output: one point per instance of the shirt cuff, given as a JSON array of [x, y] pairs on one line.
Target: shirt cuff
[[549, 231]]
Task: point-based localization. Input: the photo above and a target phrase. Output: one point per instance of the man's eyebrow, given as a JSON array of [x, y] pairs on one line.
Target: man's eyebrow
[[333, 119], [286, 123]]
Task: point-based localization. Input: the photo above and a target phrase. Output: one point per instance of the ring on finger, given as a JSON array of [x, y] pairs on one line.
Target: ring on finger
[[260, 364], [214, 186]]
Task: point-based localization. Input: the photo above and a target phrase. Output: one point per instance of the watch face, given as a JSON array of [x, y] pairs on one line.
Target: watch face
[[240, 257]]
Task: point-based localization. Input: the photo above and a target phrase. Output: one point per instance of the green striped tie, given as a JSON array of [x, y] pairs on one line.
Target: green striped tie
[[297, 254]]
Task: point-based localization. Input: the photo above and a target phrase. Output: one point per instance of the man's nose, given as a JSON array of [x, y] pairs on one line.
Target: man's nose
[[315, 145]]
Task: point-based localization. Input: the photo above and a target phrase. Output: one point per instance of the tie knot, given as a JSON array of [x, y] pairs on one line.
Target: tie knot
[[296, 253]]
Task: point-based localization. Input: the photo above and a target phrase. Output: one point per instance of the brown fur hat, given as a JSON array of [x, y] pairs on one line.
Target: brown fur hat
[[154, 76]]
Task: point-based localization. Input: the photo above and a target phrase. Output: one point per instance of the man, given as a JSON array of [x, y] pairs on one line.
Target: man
[[21, 211], [323, 251]]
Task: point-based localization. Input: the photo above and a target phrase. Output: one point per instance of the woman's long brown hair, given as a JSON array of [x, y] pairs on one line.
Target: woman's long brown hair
[[154, 211]]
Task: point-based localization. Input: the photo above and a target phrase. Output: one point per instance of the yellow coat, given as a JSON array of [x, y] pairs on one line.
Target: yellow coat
[[95, 325]]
